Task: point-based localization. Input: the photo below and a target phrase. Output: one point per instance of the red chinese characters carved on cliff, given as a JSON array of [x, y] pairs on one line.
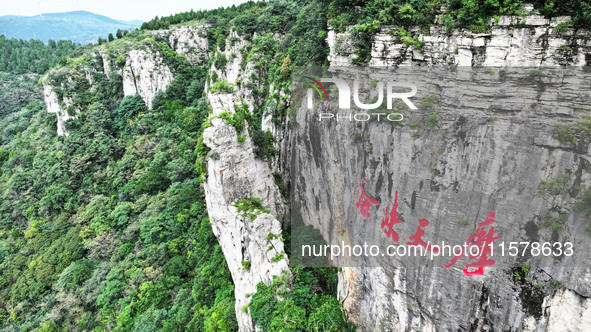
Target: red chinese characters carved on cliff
[[365, 202], [417, 238], [391, 219], [481, 239]]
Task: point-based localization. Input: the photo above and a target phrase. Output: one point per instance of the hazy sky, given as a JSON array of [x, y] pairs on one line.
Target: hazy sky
[[119, 9]]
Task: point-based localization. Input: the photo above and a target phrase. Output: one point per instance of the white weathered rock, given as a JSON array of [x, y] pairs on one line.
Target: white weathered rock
[[53, 106], [569, 311], [235, 174], [512, 42], [106, 64], [145, 74], [190, 41]]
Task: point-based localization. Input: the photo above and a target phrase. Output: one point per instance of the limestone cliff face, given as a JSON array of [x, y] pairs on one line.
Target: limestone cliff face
[[513, 41], [52, 103], [143, 72], [190, 41], [254, 249], [62, 104], [465, 162]]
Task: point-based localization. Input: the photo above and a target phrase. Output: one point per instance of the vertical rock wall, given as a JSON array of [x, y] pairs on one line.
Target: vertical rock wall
[[233, 174], [429, 299]]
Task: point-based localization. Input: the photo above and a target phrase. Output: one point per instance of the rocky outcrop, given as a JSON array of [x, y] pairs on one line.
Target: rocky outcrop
[[191, 41], [145, 74], [568, 311], [493, 155], [142, 68], [60, 88], [52, 105], [512, 41], [254, 249]]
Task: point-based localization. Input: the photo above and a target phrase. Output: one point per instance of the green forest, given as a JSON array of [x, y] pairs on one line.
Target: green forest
[[107, 229], [33, 56], [21, 64]]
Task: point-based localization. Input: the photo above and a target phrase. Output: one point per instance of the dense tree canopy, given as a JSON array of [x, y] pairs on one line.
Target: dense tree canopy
[[20, 56]]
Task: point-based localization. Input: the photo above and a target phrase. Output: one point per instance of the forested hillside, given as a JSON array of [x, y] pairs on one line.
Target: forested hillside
[[107, 228], [21, 63], [19, 56]]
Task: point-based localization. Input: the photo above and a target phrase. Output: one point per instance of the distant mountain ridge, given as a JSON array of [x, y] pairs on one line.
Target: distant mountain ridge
[[79, 26]]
